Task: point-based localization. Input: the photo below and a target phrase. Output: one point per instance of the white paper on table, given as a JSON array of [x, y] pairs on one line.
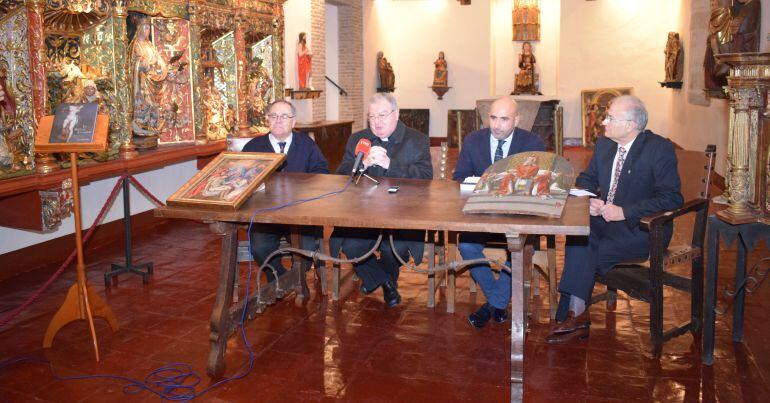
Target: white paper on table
[[580, 192]]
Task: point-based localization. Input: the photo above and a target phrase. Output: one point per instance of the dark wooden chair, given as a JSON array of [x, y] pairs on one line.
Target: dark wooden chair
[[645, 280]]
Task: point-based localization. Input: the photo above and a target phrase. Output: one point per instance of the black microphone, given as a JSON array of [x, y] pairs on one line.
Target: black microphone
[[362, 148]]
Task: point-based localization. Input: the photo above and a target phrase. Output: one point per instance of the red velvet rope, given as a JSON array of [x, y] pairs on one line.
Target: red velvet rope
[[17, 311]]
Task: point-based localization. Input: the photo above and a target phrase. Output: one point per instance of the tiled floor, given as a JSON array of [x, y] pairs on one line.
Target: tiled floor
[[356, 350]]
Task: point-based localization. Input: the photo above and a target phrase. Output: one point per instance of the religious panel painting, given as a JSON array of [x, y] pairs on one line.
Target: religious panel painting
[[17, 120], [594, 106], [226, 80], [171, 37], [259, 83]]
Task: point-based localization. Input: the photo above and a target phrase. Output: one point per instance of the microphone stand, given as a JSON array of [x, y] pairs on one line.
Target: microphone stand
[[362, 173]]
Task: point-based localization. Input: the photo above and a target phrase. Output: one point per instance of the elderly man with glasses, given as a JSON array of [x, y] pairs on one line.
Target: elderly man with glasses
[[303, 156], [633, 172], [397, 152], [481, 149]]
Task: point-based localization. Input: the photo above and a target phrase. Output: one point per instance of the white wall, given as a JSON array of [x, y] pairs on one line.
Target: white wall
[[615, 43], [332, 62], [161, 183], [411, 33], [297, 19]]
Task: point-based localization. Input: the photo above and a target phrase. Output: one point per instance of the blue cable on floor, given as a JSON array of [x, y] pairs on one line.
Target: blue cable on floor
[[177, 381]]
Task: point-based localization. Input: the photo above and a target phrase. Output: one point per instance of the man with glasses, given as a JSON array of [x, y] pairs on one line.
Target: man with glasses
[[634, 173], [397, 152], [302, 155], [481, 149]]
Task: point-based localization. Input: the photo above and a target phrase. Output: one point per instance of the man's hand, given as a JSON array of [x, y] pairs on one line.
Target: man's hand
[[377, 156], [595, 206], [611, 212]]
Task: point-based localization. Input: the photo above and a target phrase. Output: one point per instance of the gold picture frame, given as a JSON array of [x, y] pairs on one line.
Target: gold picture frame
[[227, 181], [594, 104]]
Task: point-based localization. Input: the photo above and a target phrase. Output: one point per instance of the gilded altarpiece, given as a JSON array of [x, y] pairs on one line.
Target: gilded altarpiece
[[101, 52], [227, 81], [172, 39], [14, 59]]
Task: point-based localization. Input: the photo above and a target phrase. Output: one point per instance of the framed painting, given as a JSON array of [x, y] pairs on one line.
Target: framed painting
[[594, 104], [73, 128], [227, 181]]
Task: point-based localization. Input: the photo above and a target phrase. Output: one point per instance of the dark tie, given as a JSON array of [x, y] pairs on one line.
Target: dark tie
[[618, 170], [282, 144], [499, 150]]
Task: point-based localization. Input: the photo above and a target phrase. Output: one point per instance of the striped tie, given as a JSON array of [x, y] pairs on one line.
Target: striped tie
[[499, 150], [618, 170]]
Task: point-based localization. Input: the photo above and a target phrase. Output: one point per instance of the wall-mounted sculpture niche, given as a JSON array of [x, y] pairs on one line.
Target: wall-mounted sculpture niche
[[142, 62]]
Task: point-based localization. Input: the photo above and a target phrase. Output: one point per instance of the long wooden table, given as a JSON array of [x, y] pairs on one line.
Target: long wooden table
[[419, 204]]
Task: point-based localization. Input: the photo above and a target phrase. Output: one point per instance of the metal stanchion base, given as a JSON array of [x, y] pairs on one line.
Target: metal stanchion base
[[116, 270]]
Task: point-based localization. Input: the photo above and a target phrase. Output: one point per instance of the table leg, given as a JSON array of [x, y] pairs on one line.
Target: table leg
[[518, 315], [430, 248], [451, 248], [220, 319], [712, 265], [298, 266], [740, 294]]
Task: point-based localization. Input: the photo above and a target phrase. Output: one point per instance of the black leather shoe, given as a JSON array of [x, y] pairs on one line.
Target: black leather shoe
[[499, 315], [390, 295], [480, 318]]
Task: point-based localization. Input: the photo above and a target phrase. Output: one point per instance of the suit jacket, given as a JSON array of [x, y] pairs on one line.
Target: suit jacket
[[408, 150], [303, 154], [648, 184], [476, 154], [409, 153]]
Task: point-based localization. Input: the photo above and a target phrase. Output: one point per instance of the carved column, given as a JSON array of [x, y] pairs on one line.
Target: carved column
[[123, 97], [748, 141], [195, 55], [44, 163], [240, 59]]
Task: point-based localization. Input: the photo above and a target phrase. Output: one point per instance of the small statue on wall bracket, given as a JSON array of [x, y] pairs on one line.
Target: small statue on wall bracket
[[440, 76], [527, 80], [386, 77], [674, 62]]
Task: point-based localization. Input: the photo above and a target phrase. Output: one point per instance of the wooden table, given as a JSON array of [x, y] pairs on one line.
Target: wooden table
[[419, 204]]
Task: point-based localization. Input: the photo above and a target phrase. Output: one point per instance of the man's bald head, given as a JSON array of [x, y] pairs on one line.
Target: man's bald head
[[503, 117]]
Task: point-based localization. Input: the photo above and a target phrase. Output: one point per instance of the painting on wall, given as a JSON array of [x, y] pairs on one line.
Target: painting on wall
[[594, 104]]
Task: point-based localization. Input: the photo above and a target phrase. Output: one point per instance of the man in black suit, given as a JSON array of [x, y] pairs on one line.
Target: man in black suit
[[480, 150], [397, 152], [634, 173], [302, 155]]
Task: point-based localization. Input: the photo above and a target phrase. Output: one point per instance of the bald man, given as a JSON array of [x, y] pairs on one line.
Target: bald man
[[480, 150]]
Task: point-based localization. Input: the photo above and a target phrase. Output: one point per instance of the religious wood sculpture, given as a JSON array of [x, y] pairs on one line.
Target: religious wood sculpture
[[674, 62], [733, 28], [304, 63], [440, 76], [385, 75], [527, 80]]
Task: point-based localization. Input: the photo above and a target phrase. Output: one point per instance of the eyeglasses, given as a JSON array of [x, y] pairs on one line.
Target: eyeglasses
[[610, 118], [381, 116], [273, 116]]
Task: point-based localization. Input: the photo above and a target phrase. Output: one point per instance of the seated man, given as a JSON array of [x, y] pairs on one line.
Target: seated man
[[480, 149], [634, 173], [397, 152], [302, 155]]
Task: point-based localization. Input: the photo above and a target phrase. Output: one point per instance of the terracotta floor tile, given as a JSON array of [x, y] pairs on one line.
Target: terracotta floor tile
[[356, 350]]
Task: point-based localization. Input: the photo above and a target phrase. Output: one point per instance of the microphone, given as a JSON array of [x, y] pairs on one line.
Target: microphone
[[362, 148]]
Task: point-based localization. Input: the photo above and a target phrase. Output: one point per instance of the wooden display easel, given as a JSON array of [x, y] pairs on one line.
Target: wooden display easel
[[82, 302]]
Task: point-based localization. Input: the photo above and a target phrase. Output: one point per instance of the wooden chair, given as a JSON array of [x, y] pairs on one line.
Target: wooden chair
[[645, 280]]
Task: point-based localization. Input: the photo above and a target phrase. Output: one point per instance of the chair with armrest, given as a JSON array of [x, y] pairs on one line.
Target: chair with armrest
[[645, 280]]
